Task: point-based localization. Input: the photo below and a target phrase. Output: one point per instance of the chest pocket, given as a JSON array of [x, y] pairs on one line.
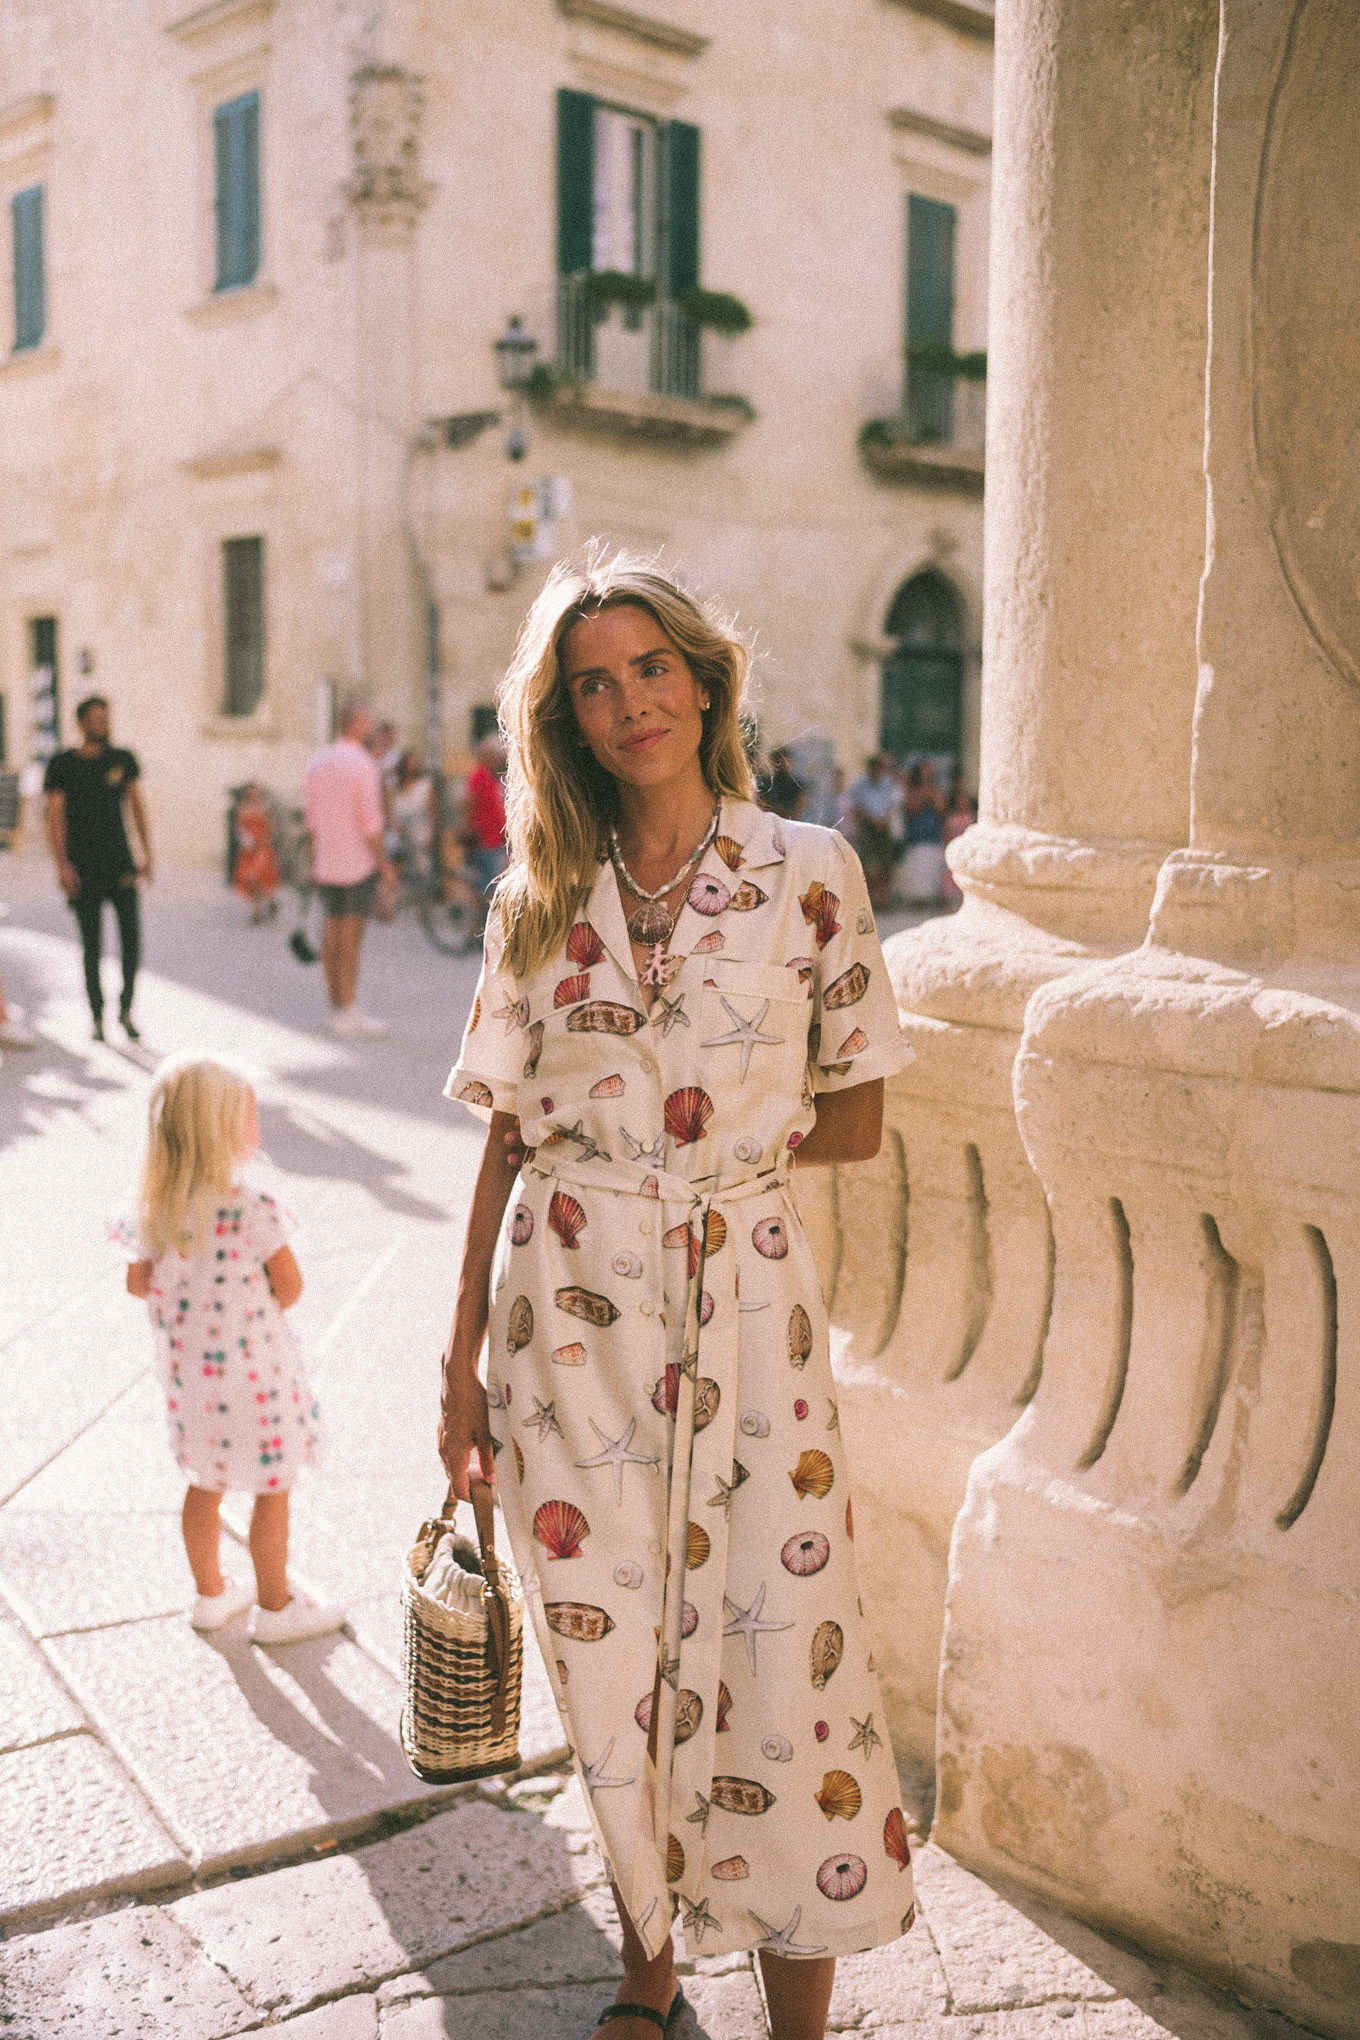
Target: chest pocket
[[754, 1026]]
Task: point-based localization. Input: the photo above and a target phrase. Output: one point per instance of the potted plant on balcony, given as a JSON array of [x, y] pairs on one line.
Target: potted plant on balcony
[[605, 288]]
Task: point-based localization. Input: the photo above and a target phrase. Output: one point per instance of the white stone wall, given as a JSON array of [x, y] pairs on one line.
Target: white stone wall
[[159, 418]]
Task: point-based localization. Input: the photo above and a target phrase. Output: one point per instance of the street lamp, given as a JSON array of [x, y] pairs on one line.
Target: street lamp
[[515, 351]]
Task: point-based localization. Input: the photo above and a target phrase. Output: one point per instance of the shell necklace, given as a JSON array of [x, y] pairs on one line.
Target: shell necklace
[[652, 923]]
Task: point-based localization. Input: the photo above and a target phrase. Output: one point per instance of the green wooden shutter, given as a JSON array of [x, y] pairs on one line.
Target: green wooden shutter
[[680, 184], [243, 603], [930, 271], [236, 136], [575, 182], [30, 312]]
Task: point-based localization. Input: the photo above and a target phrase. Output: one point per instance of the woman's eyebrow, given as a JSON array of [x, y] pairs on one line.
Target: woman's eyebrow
[[642, 659]]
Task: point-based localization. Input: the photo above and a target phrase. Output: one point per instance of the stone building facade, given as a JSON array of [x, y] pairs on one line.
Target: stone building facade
[[1100, 1298], [260, 253]]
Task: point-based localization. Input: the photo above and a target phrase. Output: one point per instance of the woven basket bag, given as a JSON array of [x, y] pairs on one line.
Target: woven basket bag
[[462, 1671]]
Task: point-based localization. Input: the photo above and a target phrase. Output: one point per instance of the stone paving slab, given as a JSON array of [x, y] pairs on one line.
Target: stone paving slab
[[134, 1973], [320, 1928], [75, 1824], [121, 1464], [243, 1750], [83, 1570], [580, 1945], [905, 1980], [351, 2018], [725, 2008], [34, 1705], [993, 1957]]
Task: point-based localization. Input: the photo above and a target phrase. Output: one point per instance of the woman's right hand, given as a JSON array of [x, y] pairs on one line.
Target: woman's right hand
[[464, 1428]]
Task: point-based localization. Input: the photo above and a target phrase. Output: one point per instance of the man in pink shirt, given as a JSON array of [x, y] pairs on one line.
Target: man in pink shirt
[[345, 818]]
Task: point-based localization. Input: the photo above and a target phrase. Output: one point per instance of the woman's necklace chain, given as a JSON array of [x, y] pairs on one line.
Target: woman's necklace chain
[[652, 923]]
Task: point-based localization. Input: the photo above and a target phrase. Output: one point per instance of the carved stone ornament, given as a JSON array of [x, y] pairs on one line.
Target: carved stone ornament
[[385, 106]]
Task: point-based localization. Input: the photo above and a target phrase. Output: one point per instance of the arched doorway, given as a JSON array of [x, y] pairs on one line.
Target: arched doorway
[[921, 715]]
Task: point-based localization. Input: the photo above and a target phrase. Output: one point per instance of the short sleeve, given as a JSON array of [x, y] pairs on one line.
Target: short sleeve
[[131, 769], [270, 1228], [54, 779], [855, 1036], [490, 1063]]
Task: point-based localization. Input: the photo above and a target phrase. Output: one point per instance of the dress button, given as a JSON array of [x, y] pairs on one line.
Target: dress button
[[646, 1310], [645, 1225], [648, 1066]]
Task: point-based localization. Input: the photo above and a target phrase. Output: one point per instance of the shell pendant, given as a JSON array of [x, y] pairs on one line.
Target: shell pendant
[[651, 925]]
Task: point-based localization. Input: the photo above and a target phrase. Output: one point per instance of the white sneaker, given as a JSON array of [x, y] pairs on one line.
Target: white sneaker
[[352, 1025], [296, 1620], [14, 1035], [211, 1611]]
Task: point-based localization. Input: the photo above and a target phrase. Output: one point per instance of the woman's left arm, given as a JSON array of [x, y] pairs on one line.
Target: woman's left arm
[[849, 1126]]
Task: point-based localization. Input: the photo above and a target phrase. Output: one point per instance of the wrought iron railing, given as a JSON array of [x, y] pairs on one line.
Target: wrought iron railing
[[646, 347]]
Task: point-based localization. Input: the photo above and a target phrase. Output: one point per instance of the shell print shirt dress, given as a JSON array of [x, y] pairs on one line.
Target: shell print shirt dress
[[240, 1412], [670, 1464]]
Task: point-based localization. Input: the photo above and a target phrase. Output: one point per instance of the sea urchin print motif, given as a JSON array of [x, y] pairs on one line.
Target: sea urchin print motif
[[696, 1297]]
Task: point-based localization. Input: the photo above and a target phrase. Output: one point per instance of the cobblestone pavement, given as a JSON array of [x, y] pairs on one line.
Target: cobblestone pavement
[[198, 1838]]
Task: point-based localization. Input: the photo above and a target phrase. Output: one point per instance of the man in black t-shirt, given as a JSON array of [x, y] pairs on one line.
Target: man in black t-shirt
[[90, 790]]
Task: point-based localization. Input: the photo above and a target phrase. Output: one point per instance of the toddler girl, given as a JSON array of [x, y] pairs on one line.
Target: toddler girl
[[217, 1276]]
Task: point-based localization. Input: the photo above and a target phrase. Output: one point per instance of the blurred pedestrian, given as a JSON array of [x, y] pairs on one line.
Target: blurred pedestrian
[[410, 816], [255, 873], [91, 789], [783, 791], [960, 814], [924, 868], [349, 857], [874, 800], [241, 1414], [483, 829]]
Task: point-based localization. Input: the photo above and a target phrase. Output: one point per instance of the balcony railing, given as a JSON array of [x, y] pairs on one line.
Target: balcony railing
[[939, 436], [626, 348]]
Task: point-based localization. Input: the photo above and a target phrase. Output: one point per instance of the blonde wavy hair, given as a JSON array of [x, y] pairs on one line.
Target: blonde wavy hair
[[560, 802], [196, 1126]]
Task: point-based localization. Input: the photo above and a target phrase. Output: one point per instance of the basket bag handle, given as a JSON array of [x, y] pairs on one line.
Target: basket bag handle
[[495, 1600]]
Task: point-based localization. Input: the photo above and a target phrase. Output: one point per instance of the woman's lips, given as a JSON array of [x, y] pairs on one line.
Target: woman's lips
[[643, 741]]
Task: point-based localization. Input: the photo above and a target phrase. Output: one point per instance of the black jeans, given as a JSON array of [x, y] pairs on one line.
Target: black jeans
[[88, 907]]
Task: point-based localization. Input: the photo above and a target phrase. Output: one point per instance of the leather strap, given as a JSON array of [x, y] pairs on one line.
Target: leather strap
[[495, 1601], [633, 2012]]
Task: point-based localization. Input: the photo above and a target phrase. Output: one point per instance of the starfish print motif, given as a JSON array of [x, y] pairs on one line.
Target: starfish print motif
[[617, 1455], [866, 1736], [833, 1422], [727, 1488], [672, 1013], [543, 1420], [689, 1363], [780, 1941], [699, 1817], [589, 1151], [669, 1668], [514, 1012], [698, 1919], [746, 1622], [656, 1153], [744, 1032], [594, 1773]]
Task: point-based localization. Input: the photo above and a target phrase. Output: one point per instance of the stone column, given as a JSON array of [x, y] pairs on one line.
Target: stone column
[[1151, 1653], [386, 195], [1094, 539]]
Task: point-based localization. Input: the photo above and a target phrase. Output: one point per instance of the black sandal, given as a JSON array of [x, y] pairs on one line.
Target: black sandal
[[659, 2020]]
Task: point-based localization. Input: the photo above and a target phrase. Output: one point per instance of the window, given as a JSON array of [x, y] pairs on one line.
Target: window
[[243, 610], [922, 708], [930, 319], [627, 204], [44, 685], [236, 145], [30, 309]]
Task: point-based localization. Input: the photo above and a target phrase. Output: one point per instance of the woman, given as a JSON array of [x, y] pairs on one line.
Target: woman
[[924, 868], [410, 833], [681, 994]]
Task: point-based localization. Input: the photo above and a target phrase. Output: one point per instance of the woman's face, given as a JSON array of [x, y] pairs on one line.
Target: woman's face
[[637, 703]]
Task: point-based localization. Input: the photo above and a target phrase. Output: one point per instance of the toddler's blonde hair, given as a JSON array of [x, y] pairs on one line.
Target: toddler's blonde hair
[[196, 1123]]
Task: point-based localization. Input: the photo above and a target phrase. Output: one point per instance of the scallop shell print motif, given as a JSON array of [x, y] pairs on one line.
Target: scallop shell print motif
[[686, 1113], [800, 1336], [819, 911], [566, 1218], [608, 1087], [519, 1325], [604, 1016], [732, 853], [520, 1229], [585, 1303], [708, 895], [675, 1860], [724, 1708], [697, 1547], [769, 1236], [842, 1877], [584, 946], [715, 1233], [578, 1620], [849, 988], [689, 1712], [814, 1475], [570, 991], [828, 1648], [895, 1843], [665, 1393], [559, 1527], [806, 1552], [839, 1796]]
